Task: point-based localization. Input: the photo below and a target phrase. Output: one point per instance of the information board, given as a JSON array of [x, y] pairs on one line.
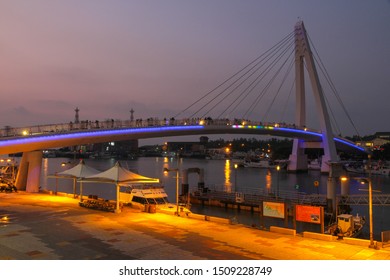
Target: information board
[[308, 214], [273, 209]]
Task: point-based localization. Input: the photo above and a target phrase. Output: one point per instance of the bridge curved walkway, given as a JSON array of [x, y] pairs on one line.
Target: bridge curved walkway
[[24, 139]]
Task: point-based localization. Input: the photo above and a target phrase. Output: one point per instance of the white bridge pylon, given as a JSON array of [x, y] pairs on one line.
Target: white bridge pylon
[[298, 159]]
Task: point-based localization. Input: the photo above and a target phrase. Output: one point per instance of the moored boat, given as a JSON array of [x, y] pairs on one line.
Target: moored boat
[[347, 225], [314, 164], [149, 198], [377, 168], [262, 163]]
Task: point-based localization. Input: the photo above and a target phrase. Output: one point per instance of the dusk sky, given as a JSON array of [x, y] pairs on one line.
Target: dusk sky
[[158, 57]]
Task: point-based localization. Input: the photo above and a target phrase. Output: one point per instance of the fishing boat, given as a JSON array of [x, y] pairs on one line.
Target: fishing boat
[[380, 168], [314, 164], [149, 198], [347, 225], [377, 168], [259, 163]]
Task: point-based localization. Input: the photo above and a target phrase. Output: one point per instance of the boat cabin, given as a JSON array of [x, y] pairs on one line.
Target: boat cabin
[[145, 194], [345, 222]]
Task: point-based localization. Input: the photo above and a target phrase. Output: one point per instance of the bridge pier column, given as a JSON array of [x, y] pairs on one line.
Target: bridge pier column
[[298, 158], [335, 170], [185, 185], [29, 174], [325, 165]]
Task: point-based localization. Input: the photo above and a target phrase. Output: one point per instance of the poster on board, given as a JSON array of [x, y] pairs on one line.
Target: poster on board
[[308, 214], [273, 209]]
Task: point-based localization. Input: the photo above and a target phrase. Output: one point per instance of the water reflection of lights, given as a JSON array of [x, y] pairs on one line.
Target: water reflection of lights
[[4, 220], [268, 181], [228, 183], [45, 171]]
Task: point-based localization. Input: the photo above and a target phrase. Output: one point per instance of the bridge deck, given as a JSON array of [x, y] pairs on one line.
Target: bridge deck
[[13, 140]]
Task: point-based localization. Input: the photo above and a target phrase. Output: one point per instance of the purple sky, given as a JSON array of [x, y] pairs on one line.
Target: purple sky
[[157, 57]]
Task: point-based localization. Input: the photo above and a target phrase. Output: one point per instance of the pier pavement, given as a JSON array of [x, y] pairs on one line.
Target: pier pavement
[[49, 227]]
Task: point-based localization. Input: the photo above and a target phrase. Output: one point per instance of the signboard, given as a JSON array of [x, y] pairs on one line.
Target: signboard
[[273, 209], [308, 214]]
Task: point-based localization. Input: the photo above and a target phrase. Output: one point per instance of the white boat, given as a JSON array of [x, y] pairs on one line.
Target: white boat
[[263, 163], [149, 198], [314, 164], [378, 168]]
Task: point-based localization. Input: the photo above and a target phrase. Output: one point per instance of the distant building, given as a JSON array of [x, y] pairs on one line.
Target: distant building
[[122, 149], [188, 149], [378, 139]]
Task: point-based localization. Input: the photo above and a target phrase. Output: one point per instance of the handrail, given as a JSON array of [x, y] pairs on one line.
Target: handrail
[[9, 131]]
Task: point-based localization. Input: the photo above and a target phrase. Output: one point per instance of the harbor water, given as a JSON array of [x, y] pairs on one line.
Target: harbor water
[[221, 175]]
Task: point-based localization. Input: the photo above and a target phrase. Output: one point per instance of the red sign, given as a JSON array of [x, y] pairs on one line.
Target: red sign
[[308, 214]]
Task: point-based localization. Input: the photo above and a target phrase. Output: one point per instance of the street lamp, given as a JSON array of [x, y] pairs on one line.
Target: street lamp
[[364, 180], [166, 170], [235, 176], [277, 181]]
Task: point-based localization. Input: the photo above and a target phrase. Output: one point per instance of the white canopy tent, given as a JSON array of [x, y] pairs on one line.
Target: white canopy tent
[[117, 175], [77, 173]]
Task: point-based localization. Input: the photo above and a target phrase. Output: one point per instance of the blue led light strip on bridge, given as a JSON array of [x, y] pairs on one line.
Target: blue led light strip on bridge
[[301, 131], [87, 134]]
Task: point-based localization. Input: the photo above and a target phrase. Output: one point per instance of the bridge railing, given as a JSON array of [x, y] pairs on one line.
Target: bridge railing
[[9, 131], [357, 199], [255, 197]]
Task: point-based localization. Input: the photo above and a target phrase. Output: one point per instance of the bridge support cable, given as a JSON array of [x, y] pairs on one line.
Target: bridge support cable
[[263, 93], [333, 119], [265, 89], [256, 61], [251, 87], [287, 102], [333, 87], [245, 78], [278, 91]]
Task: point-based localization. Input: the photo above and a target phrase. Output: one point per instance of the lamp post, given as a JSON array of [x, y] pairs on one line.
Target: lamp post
[[370, 212], [277, 181], [235, 176], [166, 170], [364, 180], [56, 183]]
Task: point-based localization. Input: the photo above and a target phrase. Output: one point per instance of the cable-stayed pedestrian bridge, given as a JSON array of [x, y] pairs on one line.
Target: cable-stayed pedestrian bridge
[[260, 83], [26, 139]]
